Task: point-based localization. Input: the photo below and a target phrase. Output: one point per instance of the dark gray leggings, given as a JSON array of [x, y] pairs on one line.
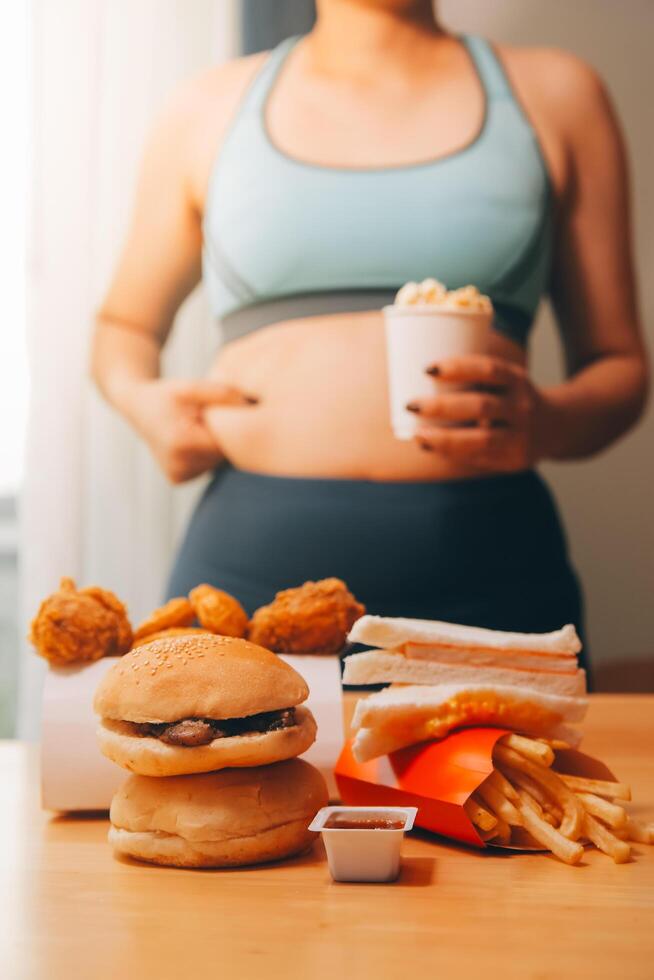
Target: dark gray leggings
[[487, 552]]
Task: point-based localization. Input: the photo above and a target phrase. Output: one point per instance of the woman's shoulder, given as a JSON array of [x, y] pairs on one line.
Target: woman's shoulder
[[555, 77], [196, 116], [565, 99], [217, 89]]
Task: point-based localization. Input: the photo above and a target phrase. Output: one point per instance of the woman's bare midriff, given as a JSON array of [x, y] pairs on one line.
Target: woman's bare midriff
[[323, 404]]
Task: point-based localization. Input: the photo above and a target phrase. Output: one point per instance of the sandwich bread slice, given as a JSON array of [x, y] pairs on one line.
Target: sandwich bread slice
[[397, 667], [380, 631], [408, 714], [419, 651]]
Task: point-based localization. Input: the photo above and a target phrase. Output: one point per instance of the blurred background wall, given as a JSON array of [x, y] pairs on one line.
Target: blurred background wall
[[93, 504]]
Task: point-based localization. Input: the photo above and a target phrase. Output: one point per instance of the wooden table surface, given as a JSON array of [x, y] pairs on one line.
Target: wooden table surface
[[69, 910]]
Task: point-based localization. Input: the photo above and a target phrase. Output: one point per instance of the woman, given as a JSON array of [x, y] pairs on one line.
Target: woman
[[309, 184]]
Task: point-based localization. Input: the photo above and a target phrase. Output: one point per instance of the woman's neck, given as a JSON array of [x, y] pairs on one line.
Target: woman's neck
[[351, 36]]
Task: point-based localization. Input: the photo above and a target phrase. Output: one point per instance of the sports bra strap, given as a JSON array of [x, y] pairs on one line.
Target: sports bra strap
[[488, 66], [255, 98]]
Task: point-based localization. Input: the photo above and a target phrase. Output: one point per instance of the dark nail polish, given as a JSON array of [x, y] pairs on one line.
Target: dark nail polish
[[412, 407], [434, 370], [251, 400]]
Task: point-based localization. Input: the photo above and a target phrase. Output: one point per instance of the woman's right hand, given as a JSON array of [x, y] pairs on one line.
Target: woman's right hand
[[170, 416]]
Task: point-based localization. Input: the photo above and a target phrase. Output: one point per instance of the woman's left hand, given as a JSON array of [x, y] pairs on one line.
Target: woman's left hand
[[497, 426]]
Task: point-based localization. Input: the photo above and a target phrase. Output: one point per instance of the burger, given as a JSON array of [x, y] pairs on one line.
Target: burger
[[198, 703], [218, 819]]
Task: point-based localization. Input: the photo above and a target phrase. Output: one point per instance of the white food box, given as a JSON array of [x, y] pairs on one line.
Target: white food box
[[76, 776]]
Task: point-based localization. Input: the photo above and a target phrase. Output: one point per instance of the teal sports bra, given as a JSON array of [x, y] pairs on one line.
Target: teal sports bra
[[286, 239]]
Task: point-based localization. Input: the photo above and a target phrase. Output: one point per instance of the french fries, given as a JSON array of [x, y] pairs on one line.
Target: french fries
[[551, 812], [609, 813], [555, 743], [500, 835], [502, 785], [560, 812], [499, 804], [565, 849], [573, 812], [605, 841], [639, 832], [601, 787], [539, 752], [480, 816], [528, 800]]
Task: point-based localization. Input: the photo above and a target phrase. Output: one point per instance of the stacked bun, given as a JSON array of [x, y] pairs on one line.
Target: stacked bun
[[445, 676], [211, 727]]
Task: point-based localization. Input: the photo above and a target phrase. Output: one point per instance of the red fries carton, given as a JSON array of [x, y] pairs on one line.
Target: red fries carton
[[438, 777]]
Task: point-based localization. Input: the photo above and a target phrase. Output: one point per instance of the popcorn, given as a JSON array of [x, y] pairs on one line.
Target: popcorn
[[408, 294], [467, 298], [433, 293]]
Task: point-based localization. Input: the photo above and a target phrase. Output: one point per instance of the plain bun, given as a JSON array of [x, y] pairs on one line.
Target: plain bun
[[173, 850], [152, 757], [198, 676], [221, 819]]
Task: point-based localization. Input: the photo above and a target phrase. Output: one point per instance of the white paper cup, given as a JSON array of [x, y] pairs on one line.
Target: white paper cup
[[418, 336]]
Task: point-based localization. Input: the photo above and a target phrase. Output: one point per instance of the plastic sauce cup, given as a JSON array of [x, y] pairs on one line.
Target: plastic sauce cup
[[364, 853]]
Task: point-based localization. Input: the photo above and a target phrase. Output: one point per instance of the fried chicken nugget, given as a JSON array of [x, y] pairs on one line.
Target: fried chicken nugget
[[218, 611], [74, 626], [167, 634], [175, 612], [314, 618]]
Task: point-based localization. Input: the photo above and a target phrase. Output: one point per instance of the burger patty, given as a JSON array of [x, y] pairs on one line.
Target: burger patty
[[190, 732]]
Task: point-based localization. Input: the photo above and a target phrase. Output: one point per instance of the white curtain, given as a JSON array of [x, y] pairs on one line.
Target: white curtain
[[94, 505]]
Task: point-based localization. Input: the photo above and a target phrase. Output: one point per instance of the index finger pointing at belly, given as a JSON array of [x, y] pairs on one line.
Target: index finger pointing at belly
[[475, 369], [208, 393]]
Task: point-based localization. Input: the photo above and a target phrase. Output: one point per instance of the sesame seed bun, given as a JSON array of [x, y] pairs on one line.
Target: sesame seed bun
[[223, 819], [199, 676]]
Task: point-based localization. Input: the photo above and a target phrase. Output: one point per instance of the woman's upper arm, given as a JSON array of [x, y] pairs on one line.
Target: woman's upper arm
[[593, 285], [160, 262]]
